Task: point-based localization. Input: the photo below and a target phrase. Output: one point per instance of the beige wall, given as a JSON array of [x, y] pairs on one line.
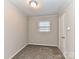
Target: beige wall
[[70, 21], [15, 30], [38, 38]]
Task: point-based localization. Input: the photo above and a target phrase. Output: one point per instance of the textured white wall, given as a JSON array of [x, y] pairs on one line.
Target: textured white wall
[[15, 30], [70, 21], [50, 38]]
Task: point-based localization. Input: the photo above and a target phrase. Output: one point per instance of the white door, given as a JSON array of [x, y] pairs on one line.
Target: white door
[[62, 34]]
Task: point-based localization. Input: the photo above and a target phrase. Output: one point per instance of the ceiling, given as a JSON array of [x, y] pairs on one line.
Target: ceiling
[[46, 7]]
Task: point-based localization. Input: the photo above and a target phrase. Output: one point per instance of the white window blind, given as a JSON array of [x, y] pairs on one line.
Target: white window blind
[[44, 26]]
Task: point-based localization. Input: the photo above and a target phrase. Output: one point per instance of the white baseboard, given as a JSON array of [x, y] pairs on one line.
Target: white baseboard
[[18, 51], [42, 44], [63, 53], [70, 55]]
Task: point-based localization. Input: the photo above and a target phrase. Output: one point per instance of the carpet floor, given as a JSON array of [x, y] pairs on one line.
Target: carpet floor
[[39, 52]]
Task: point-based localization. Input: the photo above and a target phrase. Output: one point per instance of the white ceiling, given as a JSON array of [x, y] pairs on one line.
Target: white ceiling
[[46, 7]]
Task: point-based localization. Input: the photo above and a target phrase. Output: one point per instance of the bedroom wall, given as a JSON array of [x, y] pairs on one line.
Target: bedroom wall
[[38, 38], [70, 35], [15, 30]]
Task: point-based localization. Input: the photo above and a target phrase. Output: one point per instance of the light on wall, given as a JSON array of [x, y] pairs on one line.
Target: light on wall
[[33, 3]]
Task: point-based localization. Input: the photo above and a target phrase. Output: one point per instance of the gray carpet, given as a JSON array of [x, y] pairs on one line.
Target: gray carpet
[[39, 52]]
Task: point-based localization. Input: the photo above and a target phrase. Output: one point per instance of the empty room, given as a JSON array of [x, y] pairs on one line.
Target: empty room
[[39, 29]]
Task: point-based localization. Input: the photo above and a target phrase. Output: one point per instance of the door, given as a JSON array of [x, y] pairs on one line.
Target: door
[[62, 33]]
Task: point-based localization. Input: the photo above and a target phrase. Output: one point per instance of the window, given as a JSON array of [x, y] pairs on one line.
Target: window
[[44, 26]]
